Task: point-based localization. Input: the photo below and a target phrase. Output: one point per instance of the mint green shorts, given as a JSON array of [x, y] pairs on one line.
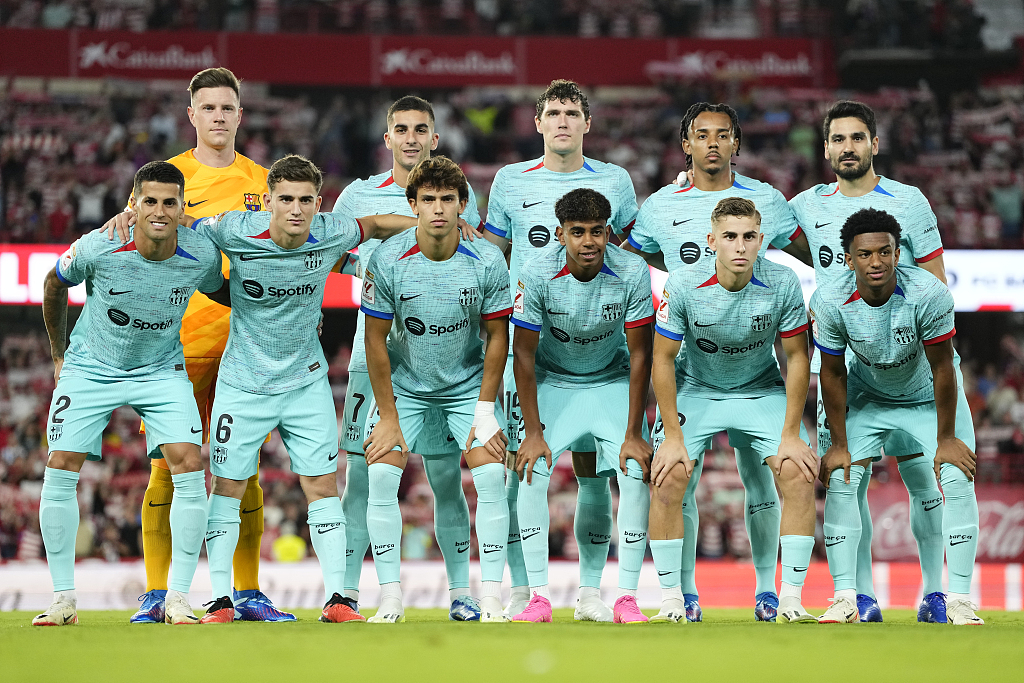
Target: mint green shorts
[[580, 415], [304, 418], [515, 416], [81, 408], [757, 421], [415, 413]]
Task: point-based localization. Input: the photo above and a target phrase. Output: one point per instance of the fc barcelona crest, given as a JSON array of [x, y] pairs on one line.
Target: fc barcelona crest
[[760, 323], [252, 201], [611, 312], [179, 295], [468, 296], [903, 335], [314, 259], [220, 455]]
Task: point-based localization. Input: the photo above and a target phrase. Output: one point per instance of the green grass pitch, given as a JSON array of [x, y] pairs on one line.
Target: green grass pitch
[[728, 646]]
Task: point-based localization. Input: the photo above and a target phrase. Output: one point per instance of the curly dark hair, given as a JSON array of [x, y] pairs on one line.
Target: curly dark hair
[[439, 173], [849, 109], [562, 90], [159, 172], [868, 220], [583, 205], [294, 169], [696, 110]]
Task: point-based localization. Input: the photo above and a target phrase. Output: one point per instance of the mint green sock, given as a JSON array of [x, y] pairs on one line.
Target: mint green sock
[[491, 519], [451, 515], [796, 557], [327, 533], [959, 527], [634, 507], [353, 506], [384, 521], [58, 524], [667, 555], [188, 524], [514, 549], [865, 574], [593, 528], [222, 523], [691, 525], [842, 528], [926, 514], [762, 515]]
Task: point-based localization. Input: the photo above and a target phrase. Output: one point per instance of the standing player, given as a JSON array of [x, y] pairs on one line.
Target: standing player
[[411, 138], [274, 374], [671, 233], [850, 147], [441, 293], [898, 322], [521, 210], [125, 350], [218, 179], [731, 381], [582, 353]]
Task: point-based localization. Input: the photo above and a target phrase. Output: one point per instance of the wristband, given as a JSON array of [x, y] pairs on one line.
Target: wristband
[[484, 421]]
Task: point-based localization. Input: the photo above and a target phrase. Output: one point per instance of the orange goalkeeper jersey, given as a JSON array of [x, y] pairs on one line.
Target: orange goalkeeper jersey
[[208, 192]]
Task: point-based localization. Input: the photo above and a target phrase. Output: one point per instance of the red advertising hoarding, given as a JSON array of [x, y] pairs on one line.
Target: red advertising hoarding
[[414, 61]]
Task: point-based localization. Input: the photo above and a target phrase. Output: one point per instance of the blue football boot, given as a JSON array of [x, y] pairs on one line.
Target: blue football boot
[[256, 606], [464, 608], [693, 612], [933, 609], [766, 606], [868, 608], [152, 610]]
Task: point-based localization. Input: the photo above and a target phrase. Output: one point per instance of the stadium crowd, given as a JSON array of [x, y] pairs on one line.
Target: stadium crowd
[[67, 155], [112, 490]]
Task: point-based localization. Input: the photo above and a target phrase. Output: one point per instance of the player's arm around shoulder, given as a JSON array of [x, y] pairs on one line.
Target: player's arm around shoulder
[[381, 227]]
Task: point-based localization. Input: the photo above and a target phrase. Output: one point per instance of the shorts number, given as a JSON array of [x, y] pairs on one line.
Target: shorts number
[[62, 404], [359, 404], [223, 430]]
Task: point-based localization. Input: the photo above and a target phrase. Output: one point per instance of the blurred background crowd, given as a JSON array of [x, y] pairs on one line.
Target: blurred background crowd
[[69, 149]]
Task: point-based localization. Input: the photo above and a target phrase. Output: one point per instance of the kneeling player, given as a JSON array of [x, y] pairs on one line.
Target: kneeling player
[[582, 365], [732, 382], [274, 373], [126, 350], [898, 322], [441, 292]]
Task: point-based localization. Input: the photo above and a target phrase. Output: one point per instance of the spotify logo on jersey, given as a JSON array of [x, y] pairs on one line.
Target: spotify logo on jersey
[[415, 326], [252, 288], [539, 236], [119, 318], [707, 346], [558, 334], [825, 257], [689, 253]]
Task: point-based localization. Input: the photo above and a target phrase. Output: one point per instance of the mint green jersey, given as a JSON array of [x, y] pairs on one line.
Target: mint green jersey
[[583, 325], [276, 297], [130, 327], [434, 345], [521, 204], [888, 340], [380, 194], [730, 335], [676, 221]]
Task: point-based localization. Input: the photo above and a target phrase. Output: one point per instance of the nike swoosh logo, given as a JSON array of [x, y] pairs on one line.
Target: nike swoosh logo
[[113, 293], [462, 550], [699, 325], [247, 257], [408, 298], [951, 543], [157, 505], [550, 312], [486, 551], [196, 431], [829, 545], [531, 535], [324, 531], [331, 458], [375, 552], [932, 507], [635, 540], [859, 341], [193, 204], [215, 534], [509, 543], [593, 542], [449, 438], [799, 570], [245, 512], [664, 573], [675, 223], [818, 226], [527, 206]]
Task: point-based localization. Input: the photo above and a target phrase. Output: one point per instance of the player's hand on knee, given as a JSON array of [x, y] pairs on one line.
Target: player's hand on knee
[[532, 449], [836, 457], [468, 231], [120, 226], [956, 453], [670, 453], [385, 436], [636, 449], [796, 450]]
